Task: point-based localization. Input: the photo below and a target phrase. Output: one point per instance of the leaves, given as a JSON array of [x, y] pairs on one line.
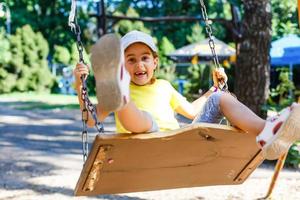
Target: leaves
[[28, 67], [61, 55], [5, 54]]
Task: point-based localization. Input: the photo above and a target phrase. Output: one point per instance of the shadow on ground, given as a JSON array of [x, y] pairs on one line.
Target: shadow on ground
[[28, 134]]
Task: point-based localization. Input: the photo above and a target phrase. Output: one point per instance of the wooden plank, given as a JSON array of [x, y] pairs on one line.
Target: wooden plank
[[196, 155]]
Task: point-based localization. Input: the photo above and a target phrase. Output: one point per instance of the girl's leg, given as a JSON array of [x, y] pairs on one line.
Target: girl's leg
[[240, 116], [221, 104], [135, 120], [274, 135], [131, 118]]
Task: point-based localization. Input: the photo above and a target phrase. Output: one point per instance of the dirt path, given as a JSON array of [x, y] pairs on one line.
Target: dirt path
[[40, 158]]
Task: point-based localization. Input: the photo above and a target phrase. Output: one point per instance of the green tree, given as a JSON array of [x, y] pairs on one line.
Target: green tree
[[7, 80], [50, 17], [167, 67], [197, 34], [124, 26], [5, 54], [280, 96], [284, 18], [198, 80], [28, 66], [165, 47], [61, 55]]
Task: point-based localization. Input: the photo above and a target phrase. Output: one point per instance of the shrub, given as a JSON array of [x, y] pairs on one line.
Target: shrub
[[7, 80], [61, 55], [198, 76], [293, 158], [27, 70]]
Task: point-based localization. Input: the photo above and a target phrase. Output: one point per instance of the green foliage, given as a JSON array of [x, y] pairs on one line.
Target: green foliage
[[284, 18], [198, 76], [166, 66], [7, 80], [293, 158], [167, 73], [47, 16], [165, 47], [124, 26], [197, 34], [28, 69], [5, 54], [61, 55], [280, 96], [288, 28]]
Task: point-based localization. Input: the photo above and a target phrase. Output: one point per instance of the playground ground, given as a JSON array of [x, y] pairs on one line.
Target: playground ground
[[40, 158]]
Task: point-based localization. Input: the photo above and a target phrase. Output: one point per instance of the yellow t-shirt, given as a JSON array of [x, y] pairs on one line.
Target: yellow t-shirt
[[159, 99]]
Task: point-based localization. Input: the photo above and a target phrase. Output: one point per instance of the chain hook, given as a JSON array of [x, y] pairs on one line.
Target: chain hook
[[72, 15]]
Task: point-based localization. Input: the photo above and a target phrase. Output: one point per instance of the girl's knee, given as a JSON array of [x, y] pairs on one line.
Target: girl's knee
[[225, 97], [216, 96], [211, 112]]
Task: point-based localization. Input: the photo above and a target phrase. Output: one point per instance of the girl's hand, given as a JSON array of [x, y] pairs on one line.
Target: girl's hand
[[219, 77], [80, 69]]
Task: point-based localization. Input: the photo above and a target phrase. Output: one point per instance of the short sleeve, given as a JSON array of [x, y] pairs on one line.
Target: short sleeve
[[176, 98]]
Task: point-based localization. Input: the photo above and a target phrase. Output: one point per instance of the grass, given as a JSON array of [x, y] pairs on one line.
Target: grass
[[45, 101]]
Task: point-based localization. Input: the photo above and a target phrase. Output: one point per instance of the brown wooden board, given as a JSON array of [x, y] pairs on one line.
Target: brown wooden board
[[196, 155]]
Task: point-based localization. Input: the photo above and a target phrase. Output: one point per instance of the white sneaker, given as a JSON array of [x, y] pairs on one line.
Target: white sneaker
[[280, 133], [112, 78]]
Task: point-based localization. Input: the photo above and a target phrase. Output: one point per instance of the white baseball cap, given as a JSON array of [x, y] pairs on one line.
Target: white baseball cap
[[138, 36]]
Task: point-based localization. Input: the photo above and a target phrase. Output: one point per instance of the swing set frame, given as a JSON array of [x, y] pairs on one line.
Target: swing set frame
[[102, 18]]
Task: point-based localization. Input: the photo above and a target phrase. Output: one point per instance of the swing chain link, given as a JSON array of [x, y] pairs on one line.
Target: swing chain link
[[77, 32], [85, 145], [88, 107], [223, 86], [84, 117]]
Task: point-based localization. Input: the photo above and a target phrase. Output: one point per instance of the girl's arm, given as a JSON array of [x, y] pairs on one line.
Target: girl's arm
[[190, 110], [80, 70]]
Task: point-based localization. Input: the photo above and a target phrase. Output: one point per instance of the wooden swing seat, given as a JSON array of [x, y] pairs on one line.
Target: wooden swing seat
[[196, 155]]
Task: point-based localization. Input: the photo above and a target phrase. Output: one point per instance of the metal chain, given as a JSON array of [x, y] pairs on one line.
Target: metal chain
[[223, 86], [87, 104]]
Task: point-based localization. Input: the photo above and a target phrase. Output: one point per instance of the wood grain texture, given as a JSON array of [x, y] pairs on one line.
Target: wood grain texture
[[196, 155]]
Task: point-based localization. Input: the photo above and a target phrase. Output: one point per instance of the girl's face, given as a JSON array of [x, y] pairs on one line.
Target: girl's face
[[140, 63]]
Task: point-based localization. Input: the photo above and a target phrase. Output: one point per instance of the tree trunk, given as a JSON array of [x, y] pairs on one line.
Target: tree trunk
[[253, 69]]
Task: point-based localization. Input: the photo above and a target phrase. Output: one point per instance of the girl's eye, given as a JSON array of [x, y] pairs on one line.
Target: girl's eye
[[145, 58], [131, 60]]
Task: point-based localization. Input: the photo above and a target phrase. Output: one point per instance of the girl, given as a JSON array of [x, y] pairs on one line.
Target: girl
[[125, 84]]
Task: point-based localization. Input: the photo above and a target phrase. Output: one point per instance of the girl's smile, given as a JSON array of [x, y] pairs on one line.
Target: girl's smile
[[140, 62]]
